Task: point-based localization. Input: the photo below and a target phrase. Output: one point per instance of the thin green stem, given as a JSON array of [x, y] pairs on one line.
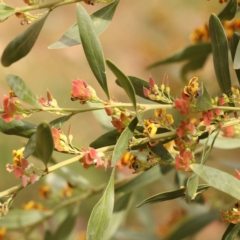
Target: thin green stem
[[50, 6], [226, 108]]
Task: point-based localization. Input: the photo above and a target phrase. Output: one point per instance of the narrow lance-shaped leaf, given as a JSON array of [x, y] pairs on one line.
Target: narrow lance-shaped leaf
[[122, 143], [124, 82], [92, 47], [6, 11], [22, 44], [162, 152], [101, 20], [22, 91], [102, 212], [194, 63], [228, 13], [231, 231], [234, 43], [165, 196], [44, 142], [220, 54], [204, 102], [218, 179], [198, 51]]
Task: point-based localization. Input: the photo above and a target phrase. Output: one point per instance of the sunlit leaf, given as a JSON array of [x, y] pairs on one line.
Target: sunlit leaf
[[124, 82], [22, 44], [228, 13], [118, 216], [192, 187], [6, 11], [107, 139], [196, 51], [231, 231], [220, 54], [17, 219], [101, 20], [123, 140], [92, 47], [141, 180], [22, 91], [17, 127], [235, 53], [67, 226], [218, 179], [44, 142], [193, 225], [102, 212], [204, 102]]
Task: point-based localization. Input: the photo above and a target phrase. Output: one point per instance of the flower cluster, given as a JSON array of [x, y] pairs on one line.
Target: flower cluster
[[233, 215], [158, 94], [121, 117], [93, 157], [33, 205], [201, 34], [63, 143], [83, 92], [22, 169]]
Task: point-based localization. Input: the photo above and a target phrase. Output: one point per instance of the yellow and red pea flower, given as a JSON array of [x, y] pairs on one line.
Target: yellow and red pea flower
[[33, 205], [2, 232], [44, 191]]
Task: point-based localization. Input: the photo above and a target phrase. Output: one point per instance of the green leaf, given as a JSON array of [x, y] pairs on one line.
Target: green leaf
[[22, 91], [66, 226], [220, 54], [235, 52], [22, 44], [102, 212], [17, 127], [195, 63], [204, 102], [207, 154], [218, 179], [192, 52], [6, 11], [119, 214], [192, 187], [231, 232], [92, 47], [44, 142], [101, 20], [228, 13], [30, 146], [124, 82], [165, 196], [193, 225], [58, 122], [17, 219], [162, 152], [107, 139], [141, 180], [48, 235], [123, 141]]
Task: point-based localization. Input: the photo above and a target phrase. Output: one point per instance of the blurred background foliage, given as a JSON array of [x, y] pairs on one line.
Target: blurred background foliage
[[141, 33]]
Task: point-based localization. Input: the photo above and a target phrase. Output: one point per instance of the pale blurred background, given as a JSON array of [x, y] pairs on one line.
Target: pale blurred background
[[141, 33]]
